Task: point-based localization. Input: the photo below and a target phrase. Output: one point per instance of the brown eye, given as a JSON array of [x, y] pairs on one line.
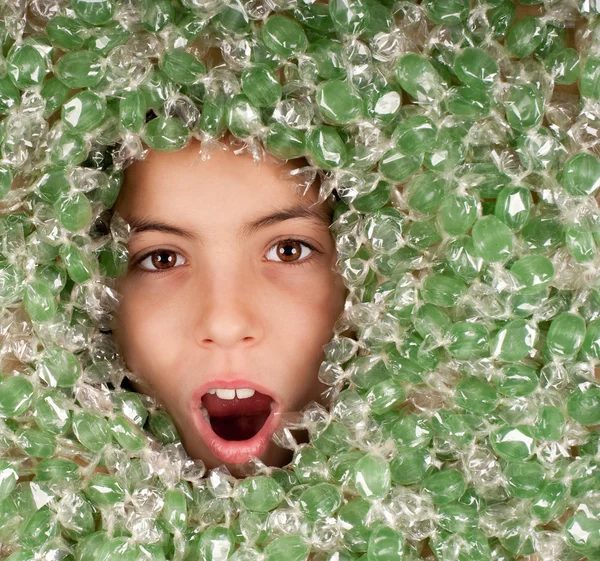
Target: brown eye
[[290, 251], [159, 260]]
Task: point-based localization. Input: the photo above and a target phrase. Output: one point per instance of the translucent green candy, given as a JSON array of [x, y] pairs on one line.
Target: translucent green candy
[[566, 335], [533, 273], [25, 65], [513, 206], [445, 486], [589, 81], [525, 36], [182, 67], [338, 103], [94, 12], [417, 76], [284, 37], [475, 68], [514, 341], [166, 134], [524, 107], [79, 69], [261, 86], [492, 239], [415, 135], [581, 174], [84, 111], [16, 396], [443, 290]]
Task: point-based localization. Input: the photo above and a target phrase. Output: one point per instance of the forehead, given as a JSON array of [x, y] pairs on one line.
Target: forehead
[[224, 176]]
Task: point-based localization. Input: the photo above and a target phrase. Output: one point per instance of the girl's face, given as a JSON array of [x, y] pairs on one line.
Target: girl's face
[[216, 298]]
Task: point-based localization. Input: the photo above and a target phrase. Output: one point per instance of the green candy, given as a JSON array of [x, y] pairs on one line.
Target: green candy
[[514, 341], [92, 431], [417, 76], [79, 69], [9, 94], [581, 174], [25, 65], [182, 67], [74, 211], [580, 242], [84, 111], [467, 102], [385, 544], [516, 380], [36, 443], [525, 36], [261, 86], [59, 368], [397, 166], [524, 107], [584, 406], [39, 301], [96, 12], [415, 135], [260, 494], [492, 239], [292, 548], [349, 16], [468, 340], [16, 396], [132, 110], [524, 480], [564, 65], [589, 80], [425, 192], [338, 103], [284, 37], [54, 93], [243, 119], [325, 146], [285, 142], [513, 207], [475, 68], [320, 501], [166, 134], [533, 273], [476, 396], [583, 532], [447, 11], [514, 444], [105, 491], [443, 290], [445, 486], [65, 33], [566, 335]]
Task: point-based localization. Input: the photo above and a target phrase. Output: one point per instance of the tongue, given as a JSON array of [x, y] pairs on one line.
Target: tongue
[[217, 407], [238, 428]]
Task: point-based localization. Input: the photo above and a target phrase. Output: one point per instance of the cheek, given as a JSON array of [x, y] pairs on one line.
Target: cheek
[[147, 330]]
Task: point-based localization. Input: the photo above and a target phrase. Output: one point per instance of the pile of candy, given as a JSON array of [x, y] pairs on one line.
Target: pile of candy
[[463, 143]]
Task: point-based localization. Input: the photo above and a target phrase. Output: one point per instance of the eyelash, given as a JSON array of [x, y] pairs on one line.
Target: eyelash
[[303, 262]]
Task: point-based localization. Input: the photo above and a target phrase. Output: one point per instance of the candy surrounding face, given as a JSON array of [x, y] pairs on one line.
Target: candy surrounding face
[[224, 304]]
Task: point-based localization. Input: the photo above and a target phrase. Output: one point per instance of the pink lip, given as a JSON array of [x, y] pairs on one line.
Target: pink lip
[[234, 451]]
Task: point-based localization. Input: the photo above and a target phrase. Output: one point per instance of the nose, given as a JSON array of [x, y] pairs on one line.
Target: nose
[[227, 309]]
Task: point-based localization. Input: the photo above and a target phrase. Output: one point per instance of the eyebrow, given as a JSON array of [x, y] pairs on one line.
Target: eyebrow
[[319, 215]]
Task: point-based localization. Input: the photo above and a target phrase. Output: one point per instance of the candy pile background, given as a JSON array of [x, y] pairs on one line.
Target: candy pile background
[[463, 143]]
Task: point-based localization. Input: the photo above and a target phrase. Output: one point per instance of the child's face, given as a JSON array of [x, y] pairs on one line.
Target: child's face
[[224, 303]]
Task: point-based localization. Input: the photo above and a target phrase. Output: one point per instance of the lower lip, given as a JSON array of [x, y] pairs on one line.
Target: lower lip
[[237, 451]]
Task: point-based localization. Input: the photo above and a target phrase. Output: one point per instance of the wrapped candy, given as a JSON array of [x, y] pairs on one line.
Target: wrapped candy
[[462, 140]]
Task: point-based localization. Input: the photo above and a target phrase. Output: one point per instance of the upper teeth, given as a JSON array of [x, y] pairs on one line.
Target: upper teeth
[[230, 394]]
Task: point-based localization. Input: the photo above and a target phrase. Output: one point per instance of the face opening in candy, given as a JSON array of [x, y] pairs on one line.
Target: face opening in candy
[[238, 418]]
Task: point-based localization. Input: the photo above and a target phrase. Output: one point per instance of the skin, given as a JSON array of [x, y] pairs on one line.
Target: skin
[[221, 303]]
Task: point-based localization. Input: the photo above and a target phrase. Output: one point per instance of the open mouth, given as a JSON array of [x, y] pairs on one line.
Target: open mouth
[[237, 418]]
